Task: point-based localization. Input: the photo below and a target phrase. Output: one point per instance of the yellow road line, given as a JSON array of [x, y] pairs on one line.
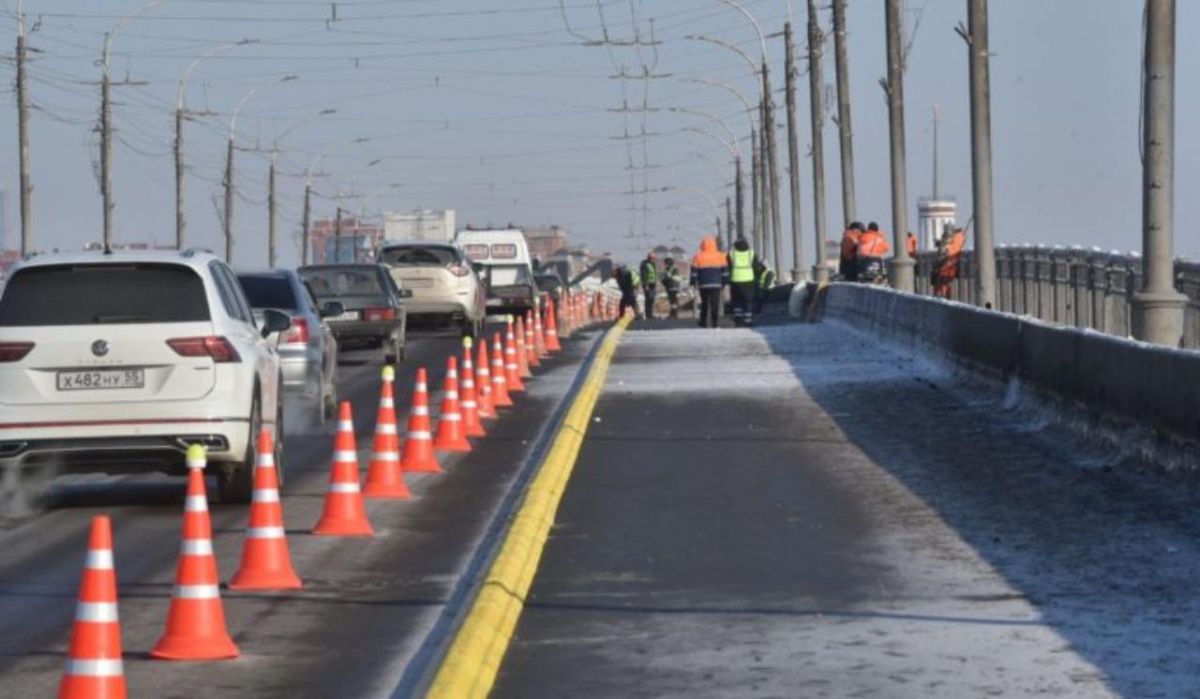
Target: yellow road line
[[470, 666]]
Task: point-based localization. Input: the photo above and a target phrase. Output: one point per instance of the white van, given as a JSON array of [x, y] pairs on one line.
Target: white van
[[501, 257]]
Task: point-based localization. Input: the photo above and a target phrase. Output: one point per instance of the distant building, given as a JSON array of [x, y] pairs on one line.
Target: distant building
[[933, 215], [356, 243], [545, 242], [420, 224]]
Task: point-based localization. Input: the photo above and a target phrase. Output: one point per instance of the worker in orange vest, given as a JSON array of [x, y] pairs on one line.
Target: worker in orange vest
[[872, 246], [710, 274], [910, 243], [945, 271], [848, 261]]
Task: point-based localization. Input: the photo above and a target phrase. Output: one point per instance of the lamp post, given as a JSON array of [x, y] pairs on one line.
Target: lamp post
[[308, 175], [180, 117], [106, 121], [230, 185]]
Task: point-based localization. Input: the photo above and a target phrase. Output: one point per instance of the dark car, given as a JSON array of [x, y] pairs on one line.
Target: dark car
[[373, 314]]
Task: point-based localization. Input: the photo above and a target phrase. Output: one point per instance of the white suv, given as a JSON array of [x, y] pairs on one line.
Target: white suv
[[117, 362]]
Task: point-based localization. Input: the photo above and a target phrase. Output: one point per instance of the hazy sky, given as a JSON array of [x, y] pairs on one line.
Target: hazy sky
[[492, 108]]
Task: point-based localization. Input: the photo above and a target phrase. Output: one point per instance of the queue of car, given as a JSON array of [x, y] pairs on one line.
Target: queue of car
[[117, 361]]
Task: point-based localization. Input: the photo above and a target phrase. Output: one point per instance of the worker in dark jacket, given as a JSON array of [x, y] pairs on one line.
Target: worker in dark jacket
[[649, 275], [671, 281], [627, 283], [848, 259], [710, 274]]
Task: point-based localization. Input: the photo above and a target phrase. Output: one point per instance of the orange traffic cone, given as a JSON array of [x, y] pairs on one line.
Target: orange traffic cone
[[539, 334], [418, 443], [94, 667], [451, 436], [500, 397], [344, 512], [196, 620], [552, 343], [472, 425], [483, 381], [384, 477], [522, 350], [266, 563], [531, 355], [512, 362]]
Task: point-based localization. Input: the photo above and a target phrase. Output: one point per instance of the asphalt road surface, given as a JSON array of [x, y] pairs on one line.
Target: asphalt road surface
[[798, 511], [367, 605]]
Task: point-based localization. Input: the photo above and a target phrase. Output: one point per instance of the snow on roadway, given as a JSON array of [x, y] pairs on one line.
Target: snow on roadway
[[1017, 560]]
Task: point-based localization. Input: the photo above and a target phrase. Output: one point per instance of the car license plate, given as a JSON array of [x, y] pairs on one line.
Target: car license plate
[[348, 315], [101, 379]]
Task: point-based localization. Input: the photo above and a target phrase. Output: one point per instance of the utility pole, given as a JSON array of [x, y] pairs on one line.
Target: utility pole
[[901, 265], [981, 152], [307, 223], [228, 224], [764, 183], [337, 235], [756, 232], [845, 133], [106, 150], [729, 221], [271, 213], [1158, 308], [816, 52], [738, 196], [794, 156], [23, 135], [773, 165], [180, 219]]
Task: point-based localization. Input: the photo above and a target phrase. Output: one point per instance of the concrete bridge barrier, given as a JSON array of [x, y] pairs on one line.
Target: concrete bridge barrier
[[1114, 380]]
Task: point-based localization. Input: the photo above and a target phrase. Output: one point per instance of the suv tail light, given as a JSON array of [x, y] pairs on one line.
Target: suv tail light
[[459, 270], [377, 314], [14, 351], [218, 348], [297, 334]]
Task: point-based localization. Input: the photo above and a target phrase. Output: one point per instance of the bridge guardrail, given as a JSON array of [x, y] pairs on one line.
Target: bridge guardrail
[[1069, 286]]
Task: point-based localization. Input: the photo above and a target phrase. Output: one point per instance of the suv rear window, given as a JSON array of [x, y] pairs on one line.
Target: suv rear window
[[335, 282], [415, 256], [103, 294], [268, 292]]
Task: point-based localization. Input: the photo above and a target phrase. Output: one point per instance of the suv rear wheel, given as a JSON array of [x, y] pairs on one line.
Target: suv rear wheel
[[235, 481]]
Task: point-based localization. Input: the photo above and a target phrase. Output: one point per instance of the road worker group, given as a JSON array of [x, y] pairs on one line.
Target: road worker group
[[863, 251], [749, 279]]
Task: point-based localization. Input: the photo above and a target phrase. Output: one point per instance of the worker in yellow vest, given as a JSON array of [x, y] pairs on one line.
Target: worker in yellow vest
[[743, 264]]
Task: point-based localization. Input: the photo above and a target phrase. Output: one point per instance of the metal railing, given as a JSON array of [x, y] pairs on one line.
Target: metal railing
[[1069, 286]]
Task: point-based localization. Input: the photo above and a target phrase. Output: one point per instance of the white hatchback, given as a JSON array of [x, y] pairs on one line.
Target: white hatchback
[[117, 362]]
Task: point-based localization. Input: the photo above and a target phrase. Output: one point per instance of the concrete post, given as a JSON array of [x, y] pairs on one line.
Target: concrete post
[[271, 213], [23, 138], [1158, 307], [756, 231], [307, 224], [900, 265], [816, 42], [845, 134], [981, 152], [772, 162], [794, 161], [228, 219]]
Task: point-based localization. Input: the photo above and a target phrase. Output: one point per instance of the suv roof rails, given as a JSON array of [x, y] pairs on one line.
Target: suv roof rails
[[191, 252]]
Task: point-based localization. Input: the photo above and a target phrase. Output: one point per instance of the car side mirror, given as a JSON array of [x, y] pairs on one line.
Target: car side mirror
[[405, 293], [332, 309], [275, 322]]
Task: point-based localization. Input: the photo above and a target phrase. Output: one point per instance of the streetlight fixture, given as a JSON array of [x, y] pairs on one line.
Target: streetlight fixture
[[106, 121], [180, 116], [230, 185], [308, 175]]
